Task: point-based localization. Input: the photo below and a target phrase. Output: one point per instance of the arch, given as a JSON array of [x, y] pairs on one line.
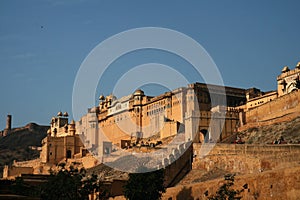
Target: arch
[[204, 136], [171, 158], [165, 162], [54, 132], [292, 87], [295, 89], [176, 153], [68, 154]]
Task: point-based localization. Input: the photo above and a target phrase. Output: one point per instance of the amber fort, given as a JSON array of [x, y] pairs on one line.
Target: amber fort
[[197, 113]]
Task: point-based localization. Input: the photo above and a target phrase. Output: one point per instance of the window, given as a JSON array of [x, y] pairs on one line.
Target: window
[[106, 150], [69, 154]]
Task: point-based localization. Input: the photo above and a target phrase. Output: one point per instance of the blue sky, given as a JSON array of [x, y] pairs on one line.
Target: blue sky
[[43, 43]]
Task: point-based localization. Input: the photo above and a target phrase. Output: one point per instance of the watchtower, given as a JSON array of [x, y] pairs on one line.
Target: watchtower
[[8, 125]]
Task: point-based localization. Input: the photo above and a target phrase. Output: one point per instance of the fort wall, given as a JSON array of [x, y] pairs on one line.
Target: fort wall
[[283, 108], [270, 172], [13, 171], [277, 184], [245, 159]]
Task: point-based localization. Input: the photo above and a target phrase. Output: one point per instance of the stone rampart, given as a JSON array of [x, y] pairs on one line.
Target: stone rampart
[[281, 109], [276, 184], [270, 171], [246, 159]]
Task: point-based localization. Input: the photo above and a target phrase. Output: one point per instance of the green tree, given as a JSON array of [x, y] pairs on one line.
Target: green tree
[[226, 192], [146, 186], [71, 184]]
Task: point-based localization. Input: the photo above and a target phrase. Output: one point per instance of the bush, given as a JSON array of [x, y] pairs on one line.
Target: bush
[[146, 186]]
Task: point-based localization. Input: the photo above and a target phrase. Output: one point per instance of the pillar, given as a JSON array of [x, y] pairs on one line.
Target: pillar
[[8, 122]]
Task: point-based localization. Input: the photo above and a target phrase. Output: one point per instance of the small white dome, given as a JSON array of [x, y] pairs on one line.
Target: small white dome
[[66, 114], [285, 69], [138, 92]]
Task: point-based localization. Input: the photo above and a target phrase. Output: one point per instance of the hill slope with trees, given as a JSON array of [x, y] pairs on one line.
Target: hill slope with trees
[[19, 144]]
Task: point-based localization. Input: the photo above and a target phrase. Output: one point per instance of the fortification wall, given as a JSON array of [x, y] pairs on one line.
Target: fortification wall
[[246, 159], [277, 184], [249, 149], [13, 171], [281, 109], [269, 170]]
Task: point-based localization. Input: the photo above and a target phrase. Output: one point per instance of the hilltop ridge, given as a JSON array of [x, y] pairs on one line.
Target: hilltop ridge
[[288, 131], [17, 144]]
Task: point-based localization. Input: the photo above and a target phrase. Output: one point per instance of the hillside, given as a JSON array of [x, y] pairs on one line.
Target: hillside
[[15, 146], [289, 131]]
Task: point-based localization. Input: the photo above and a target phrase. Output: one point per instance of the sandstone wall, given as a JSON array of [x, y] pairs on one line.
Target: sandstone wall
[[169, 129], [244, 158], [277, 184], [13, 171], [281, 109], [269, 170]]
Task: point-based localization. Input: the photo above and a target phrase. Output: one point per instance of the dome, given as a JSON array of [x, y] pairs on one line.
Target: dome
[[298, 65], [101, 97], [138, 92], [285, 69], [59, 114], [66, 114], [72, 122]]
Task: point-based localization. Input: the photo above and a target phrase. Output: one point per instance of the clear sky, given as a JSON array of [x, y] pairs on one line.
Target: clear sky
[[44, 42]]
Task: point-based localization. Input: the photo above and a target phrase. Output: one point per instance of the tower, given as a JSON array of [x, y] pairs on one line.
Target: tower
[[8, 125], [192, 115], [8, 122], [72, 129], [138, 100]]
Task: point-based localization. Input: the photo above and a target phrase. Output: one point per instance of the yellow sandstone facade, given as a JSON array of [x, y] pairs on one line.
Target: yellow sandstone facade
[[287, 82], [61, 141], [198, 111], [187, 110]]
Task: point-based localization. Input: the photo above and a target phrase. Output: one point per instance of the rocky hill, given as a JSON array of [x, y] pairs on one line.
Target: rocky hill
[[286, 132], [17, 145]]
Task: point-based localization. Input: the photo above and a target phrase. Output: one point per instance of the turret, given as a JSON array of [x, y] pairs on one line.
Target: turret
[[8, 122], [72, 128], [138, 96], [8, 126]]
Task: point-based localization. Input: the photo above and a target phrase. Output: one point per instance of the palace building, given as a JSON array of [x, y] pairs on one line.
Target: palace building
[[199, 112], [187, 110], [202, 112]]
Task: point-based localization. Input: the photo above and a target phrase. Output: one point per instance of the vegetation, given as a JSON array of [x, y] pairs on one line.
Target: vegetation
[[65, 184], [21, 188], [16, 145], [70, 184], [226, 192], [146, 186]]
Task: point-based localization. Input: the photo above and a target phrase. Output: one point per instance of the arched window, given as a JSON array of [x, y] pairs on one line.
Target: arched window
[[69, 154]]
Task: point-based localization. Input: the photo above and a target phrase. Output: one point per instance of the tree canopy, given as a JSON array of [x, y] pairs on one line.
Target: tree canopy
[[72, 184], [226, 192], [146, 186]]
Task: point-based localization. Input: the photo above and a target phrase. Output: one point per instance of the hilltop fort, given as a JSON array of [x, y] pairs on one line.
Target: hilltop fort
[[138, 122]]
